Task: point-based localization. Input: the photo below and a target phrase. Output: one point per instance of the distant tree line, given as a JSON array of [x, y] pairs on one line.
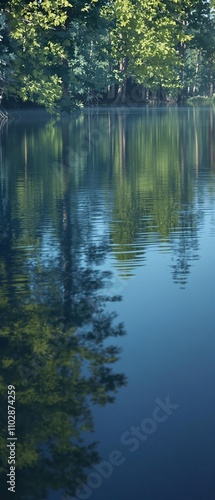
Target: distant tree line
[[63, 54]]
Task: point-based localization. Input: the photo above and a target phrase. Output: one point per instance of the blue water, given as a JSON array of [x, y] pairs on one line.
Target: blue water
[[130, 193]]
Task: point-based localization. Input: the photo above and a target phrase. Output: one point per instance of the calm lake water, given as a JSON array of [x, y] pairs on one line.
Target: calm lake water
[[107, 281]]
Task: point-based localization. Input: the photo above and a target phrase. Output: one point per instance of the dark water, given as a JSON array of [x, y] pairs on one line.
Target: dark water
[[107, 281]]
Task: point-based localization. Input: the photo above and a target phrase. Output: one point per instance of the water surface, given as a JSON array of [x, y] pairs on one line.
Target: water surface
[[107, 232]]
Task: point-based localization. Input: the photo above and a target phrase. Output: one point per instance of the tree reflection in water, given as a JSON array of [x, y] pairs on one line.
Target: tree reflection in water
[[58, 372], [54, 351]]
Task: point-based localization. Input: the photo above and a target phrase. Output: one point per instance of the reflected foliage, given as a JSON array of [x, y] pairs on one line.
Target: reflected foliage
[[74, 193], [154, 161], [56, 331]]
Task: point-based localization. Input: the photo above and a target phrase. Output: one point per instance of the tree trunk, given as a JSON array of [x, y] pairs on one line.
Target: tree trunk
[[121, 93], [111, 92], [138, 93], [182, 47], [111, 88], [211, 77], [196, 71], [160, 96]]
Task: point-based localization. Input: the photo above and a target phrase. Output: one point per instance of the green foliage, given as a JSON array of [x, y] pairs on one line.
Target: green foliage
[[66, 54], [34, 31], [6, 55], [199, 100], [147, 34], [89, 68]]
